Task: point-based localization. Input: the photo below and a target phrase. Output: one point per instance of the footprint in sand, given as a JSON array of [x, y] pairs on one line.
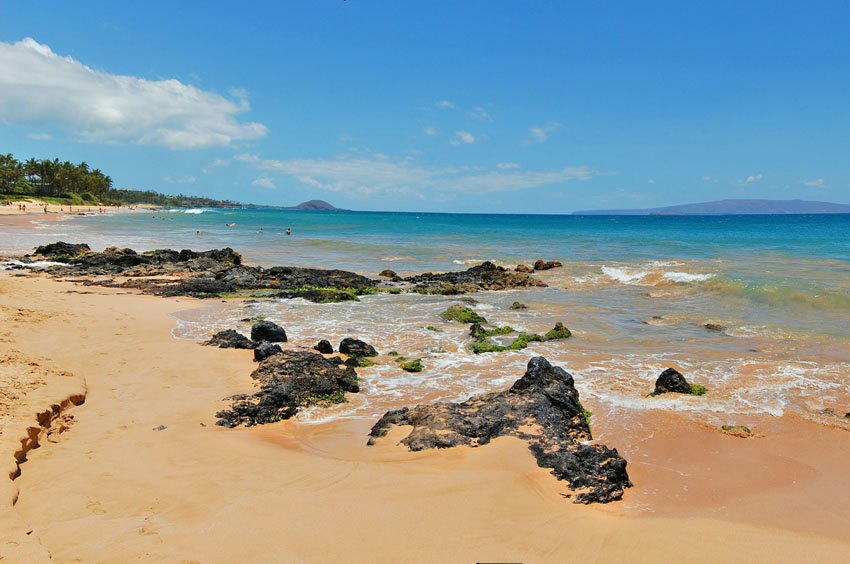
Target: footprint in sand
[[96, 508]]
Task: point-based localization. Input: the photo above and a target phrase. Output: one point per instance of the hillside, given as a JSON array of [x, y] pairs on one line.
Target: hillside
[[733, 207]]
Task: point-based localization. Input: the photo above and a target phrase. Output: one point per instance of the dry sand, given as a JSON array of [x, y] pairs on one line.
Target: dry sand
[[114, 488]]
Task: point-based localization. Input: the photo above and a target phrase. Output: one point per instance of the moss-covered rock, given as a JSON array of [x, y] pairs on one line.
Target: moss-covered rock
[[558, 332], [412, 366], [462, 314]]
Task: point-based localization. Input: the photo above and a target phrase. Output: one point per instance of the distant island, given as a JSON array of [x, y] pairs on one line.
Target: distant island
[[734, 207], [315, 205]]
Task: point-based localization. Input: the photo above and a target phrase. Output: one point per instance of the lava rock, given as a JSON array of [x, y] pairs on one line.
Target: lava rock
[[268, 331], [541, 408], [60, 249], [230, 339], [485, 276], [391, 274], [524, 268], [356, 347], [324, 346], [546, 265], [714, 327], [671, 380], [265, 350], [518, 305], [289, 381]]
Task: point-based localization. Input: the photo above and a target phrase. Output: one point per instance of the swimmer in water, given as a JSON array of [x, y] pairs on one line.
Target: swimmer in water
[[289, 231]]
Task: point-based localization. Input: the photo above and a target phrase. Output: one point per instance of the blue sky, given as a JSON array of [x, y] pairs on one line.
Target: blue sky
[[476, 106]]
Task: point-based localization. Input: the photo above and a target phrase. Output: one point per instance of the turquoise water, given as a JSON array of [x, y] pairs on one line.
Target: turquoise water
[[636, 291]]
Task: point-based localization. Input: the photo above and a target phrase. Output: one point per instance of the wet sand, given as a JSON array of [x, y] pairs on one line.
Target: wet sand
[[115, 486]]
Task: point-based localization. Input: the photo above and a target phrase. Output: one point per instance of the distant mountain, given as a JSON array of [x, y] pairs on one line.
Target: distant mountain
[[315, 205], [734, 207]]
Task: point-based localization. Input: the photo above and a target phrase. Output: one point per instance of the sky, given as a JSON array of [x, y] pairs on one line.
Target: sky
[[448, 106]]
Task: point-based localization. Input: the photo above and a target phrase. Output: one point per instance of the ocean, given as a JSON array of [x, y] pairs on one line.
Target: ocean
[[637, 292]]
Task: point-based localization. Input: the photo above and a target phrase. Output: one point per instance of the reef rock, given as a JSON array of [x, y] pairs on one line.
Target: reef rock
[[356, 347], [268, 331], [265, 350], [324, 346], [546, 265], [230, 339], [671, 380], [62, 250], [289, 381], [541, 408], [485, 276]]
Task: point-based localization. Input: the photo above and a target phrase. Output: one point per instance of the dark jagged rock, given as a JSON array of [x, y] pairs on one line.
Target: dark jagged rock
[[230, 339], [541, 408], [671, 380], [265, 350], [541, 264], [290, 380], [356, 347], [714, 327], [268, 331], [477, 331], [518, 305], [62, 250], [324, 346], [485, 276]]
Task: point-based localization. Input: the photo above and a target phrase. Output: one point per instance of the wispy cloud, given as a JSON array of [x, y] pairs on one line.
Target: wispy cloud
[[463, 138], [40, 88], [479, 114], [814, 183], [39, 136], [541, 133], [430, 131], [752, 178], [180, 179], [370, 176], [264, 182], [650, 181], [217, 163], [507, 166], [445, 105]]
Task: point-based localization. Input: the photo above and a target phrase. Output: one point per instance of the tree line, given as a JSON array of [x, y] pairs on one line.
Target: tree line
[[79, 183]]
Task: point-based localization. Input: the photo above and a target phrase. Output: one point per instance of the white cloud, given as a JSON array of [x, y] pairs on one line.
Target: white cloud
[[180, 179], [369, 176], [752, 178], [463, 138], [446, 105], [39, 87], [651, 181], [264, 182], [541, 133], [706, 178], [39, 136], [480, 114], [507, 166], [430, 131], [815, 183], [217, 163]]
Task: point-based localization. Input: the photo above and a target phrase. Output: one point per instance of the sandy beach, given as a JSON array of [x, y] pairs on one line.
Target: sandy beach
[[140, 471]]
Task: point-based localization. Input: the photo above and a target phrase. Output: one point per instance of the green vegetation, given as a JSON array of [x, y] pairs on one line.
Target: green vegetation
[[587, 415], [485, 345], [324, 400], [363, 362], [412, 366], [63, 183], [697, 390], [434, 329], [559, 332], [462, 314], [393, 353], [743, 428]]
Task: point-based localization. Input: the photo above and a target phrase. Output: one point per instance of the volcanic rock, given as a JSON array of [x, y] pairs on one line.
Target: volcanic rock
[[671, 380], [230, 339], [265, 350], [356, 347], [541, 408], [268, 331], [324, 346]]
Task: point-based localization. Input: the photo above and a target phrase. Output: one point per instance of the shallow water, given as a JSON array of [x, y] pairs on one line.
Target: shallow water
[[636, 292]]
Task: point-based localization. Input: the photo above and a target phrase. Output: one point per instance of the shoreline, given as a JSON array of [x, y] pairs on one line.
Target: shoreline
[[506, 501]]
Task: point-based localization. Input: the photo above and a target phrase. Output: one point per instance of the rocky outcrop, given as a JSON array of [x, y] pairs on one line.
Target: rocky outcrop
[[391, 274], [324, 346], [541, 408], [524, 268], [265, 350], [61, 250], [356, 348], [671, 380], [289, 381], [230, 339], [268, 331], [518, 305], [541, 264], [485, 276]]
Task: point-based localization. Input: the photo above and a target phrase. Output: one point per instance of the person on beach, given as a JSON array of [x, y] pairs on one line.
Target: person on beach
[[289, 231]]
